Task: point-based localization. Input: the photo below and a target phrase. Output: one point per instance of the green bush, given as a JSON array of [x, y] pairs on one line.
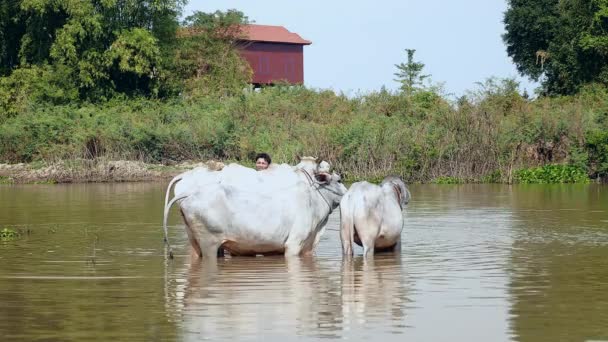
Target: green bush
[[597, 147], [482, 138], [551, 174], [36, 84], [5, 180]]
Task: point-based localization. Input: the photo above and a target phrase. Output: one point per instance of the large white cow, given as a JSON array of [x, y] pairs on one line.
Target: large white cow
[[283, 209], [371, 215]]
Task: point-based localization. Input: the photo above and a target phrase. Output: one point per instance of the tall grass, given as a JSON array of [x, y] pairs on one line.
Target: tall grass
[[487, 135]]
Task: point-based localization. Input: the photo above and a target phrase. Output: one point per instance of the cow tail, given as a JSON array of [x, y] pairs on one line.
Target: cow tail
[[171, 183], [166, 210], [165, 217]]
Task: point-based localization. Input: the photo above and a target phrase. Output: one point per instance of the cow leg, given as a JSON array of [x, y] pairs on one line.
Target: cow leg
[[205, 249], [292, 249], [195, 248], [368, 248], [220, 253], [204, 244], [210, 248], [347, 245], [397, 247], [368, 240], [318, 238], [368, 232]]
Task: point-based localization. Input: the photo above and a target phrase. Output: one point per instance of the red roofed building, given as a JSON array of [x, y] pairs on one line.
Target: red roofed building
[[274, 54]]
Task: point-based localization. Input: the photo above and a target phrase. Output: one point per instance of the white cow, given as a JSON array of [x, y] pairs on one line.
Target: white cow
[[371, 216], [279, 210]]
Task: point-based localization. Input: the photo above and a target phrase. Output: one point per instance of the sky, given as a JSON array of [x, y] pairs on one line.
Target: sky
[[356, 44]]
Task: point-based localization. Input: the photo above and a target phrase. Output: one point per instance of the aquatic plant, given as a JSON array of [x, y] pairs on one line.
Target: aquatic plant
[[551, 174], [9, 234]]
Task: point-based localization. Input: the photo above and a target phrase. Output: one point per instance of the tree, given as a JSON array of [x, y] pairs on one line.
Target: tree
[[206, 57], [11, 31], [107, 46], [410, 74], [564, 44], [103, 48]]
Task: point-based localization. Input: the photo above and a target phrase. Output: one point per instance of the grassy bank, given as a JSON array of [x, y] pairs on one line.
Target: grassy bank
[[92, 170], [491, 135]]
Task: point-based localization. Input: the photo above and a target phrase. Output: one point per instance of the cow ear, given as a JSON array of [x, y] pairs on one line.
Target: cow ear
[[323, 177]]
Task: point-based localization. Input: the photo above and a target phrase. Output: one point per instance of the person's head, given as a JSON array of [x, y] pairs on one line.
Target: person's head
[[262, 161]]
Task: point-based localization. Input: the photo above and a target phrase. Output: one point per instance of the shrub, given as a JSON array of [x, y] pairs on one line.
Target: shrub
[[551, 174]]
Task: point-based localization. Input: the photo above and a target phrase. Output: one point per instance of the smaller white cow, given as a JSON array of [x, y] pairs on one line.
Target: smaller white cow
[[372, 217]]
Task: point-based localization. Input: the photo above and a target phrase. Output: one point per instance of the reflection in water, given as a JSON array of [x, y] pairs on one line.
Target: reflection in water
[[374, 293], [252, 297], [478, 263], [559, 263]]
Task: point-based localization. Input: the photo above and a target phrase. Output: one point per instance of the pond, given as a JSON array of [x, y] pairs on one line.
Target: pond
[[478, 263]]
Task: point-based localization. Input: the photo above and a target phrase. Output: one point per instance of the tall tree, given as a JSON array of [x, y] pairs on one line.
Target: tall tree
[[410, 74], [206, 55], [106, 45], [562, 43], [12, 29]]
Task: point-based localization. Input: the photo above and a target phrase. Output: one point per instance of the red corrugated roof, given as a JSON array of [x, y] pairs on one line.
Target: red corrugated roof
[[275, 34]]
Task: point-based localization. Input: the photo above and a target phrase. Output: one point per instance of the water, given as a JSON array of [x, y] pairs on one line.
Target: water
[[479, 263]]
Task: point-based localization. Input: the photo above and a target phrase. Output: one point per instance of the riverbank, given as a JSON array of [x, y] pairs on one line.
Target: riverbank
[[91, 171], [105, 171]]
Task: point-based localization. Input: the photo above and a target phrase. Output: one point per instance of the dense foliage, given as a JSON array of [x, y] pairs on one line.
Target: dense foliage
[[488, 135], [206, 58], [562, 43], [550, 174], [94, 50]]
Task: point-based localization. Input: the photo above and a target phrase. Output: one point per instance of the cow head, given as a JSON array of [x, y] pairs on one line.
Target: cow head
[[308, 164], [331, 187], [313, 165], [397, 185], [324, 166]]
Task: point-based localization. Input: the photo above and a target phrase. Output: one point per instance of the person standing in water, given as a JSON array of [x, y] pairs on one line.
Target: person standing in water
[[262, 161]]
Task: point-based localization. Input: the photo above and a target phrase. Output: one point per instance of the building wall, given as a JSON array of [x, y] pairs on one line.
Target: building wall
[[273, 62]]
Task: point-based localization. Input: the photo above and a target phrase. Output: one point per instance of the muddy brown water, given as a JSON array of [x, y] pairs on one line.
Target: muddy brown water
[[478, 263]]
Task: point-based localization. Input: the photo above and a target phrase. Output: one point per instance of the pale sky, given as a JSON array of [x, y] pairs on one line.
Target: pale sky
[[356, 44]]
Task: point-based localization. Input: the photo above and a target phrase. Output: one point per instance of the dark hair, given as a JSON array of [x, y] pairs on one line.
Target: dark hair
[[264, 156]]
